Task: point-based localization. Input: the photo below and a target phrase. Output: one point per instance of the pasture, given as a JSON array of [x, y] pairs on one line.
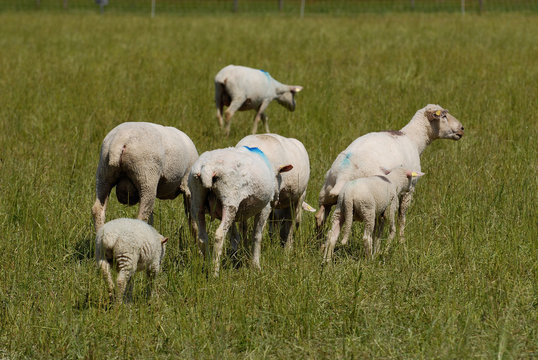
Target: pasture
[[464, 284]]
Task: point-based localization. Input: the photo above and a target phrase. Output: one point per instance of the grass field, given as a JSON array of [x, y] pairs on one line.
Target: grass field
[[463, 286]]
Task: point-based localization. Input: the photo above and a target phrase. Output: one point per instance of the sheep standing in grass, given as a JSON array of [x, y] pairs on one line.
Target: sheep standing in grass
[[144, 161], [369, 199], [242, 88], [130, 245], [388, 149], [233, 184], [282, 151]]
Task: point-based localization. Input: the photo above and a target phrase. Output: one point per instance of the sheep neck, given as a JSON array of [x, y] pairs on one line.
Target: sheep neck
[[419, 131]]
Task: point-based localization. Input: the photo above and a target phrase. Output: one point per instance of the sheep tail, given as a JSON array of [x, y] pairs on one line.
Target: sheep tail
[[116, 155]]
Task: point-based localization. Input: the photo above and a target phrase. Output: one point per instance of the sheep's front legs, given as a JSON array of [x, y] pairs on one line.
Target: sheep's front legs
[[228, 217], [260, 115], [259, 223], [404, 205]]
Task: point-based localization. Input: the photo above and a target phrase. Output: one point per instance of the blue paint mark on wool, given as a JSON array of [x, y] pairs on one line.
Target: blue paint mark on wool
[[266, 74], [346, 162], [259, 152]]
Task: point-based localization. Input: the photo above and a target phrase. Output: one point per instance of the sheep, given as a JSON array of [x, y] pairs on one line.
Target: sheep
[[367, 199], [387, 149], [282, 151], [243, 88], [130, 245], [144, 161], [232, 184]]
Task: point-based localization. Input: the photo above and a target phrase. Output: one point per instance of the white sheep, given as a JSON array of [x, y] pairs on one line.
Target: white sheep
[[243, 88], [388, 149], [369, 199], [130, 245], [232, 184], [144, 161], [282, 151]]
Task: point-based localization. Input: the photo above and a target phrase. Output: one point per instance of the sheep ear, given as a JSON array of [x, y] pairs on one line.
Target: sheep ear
[[433, 115], [412, 174], [285, 168], [296, 88], [307, 207], [164, 240]]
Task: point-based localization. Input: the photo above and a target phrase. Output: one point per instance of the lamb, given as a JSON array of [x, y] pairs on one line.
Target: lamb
[[367, 199], [130, 245], [292, 185], [243, 88], [388, 149], [144, 161], [233, 184]]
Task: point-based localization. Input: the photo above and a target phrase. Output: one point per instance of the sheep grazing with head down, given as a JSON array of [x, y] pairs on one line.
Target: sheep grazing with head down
[[243, 88], [130, 245], [282, 151], [369, 199], [233, 184], [388, 149], [144, 161]]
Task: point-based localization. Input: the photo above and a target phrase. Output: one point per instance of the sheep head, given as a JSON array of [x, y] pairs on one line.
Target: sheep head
[[286, 96], [444, 125]]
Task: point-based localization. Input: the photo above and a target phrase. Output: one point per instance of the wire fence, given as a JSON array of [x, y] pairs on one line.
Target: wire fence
[[292, 7]]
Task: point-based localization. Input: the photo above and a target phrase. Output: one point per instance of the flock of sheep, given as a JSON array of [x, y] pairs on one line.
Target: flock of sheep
[[264, 176]]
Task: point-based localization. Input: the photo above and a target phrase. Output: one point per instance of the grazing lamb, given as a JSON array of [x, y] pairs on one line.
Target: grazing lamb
[[144, 161], [368, 199], [242, 88], [282, 151], [130, 245], [388, 149], [233, 184]]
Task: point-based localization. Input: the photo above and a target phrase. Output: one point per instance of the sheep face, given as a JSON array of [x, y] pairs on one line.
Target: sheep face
[[287, 98], [444, 125]]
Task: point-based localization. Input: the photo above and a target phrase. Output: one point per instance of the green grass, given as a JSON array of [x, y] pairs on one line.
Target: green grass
[[464, 285]]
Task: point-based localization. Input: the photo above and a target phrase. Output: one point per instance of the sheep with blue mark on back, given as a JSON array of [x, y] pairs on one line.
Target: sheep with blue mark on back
[[292, 185], [243, 88], [387, 149], [130, 245], [367, 199], [232, 184]]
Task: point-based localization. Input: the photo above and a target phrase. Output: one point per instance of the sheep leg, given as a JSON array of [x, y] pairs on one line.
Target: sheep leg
[[404, 205], [390, 213], [259, 223], [348, 211], [338, 219], [295, 221], [378, 231], [152, 275], [369, 223], [99, 207], [234, 106], [219, 89], [147, 192], [265, 120], [107, 275], [260, 115], [321, 215], [124, 277], [228, 217], [200, 228]]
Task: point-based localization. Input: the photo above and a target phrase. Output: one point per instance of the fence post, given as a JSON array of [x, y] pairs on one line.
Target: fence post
[[235, 5], [302, 8], [280, 5], [463, 7], [152, 8], [65, 4], [412, 4], [480, 3]]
